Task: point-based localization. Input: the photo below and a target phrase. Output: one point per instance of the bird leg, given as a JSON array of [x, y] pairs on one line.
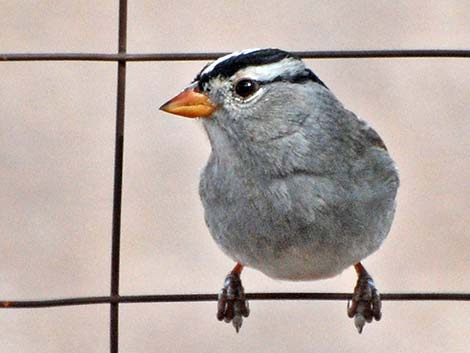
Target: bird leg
[[232, 305], [365, 305]]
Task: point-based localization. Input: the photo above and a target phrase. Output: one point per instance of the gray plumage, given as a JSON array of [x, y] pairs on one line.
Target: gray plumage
[[296, 185]]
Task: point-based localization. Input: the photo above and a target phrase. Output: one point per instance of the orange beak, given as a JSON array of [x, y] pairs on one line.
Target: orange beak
[[190, 103]]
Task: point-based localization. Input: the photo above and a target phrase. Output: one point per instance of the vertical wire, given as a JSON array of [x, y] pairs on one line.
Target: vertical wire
[[118, 171]]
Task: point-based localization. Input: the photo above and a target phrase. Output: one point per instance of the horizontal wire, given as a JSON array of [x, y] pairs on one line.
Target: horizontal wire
[[172, 298], [316, 54]]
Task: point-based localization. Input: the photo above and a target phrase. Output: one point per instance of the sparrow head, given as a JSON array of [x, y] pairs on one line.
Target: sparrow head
[[252, 85], [241, 77], [261, 105]]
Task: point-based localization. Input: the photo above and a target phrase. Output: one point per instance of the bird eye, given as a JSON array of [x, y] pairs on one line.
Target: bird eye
[[245, 88]]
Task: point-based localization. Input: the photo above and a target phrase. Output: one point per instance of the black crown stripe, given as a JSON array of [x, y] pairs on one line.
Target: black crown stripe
[[231, 65]]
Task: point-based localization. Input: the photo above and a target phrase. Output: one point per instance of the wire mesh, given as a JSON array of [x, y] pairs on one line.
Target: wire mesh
[[174, 298], [122, 57], [191, 56]]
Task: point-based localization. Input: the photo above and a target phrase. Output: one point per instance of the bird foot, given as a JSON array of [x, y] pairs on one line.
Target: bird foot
[[232, 305], [365, 304]]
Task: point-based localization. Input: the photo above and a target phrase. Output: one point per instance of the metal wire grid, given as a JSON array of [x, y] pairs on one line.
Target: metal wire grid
[[122, 57]]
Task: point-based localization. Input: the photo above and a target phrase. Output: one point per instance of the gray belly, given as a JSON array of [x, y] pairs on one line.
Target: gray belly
[[298, 228]]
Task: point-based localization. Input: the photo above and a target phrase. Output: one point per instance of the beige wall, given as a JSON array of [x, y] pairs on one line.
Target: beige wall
[[56, 160]]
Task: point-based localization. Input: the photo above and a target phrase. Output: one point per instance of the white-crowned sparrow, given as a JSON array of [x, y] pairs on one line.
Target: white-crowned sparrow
[[296, 185]]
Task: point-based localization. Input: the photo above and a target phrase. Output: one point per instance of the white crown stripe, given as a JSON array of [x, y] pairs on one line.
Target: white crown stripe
[[288, 67], [223, 58]]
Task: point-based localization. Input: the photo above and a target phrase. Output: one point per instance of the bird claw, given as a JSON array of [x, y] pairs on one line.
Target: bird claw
[[366, 304], [232, 305]]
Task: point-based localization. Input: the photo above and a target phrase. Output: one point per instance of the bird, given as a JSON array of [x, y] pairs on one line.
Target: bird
[[296, 185]]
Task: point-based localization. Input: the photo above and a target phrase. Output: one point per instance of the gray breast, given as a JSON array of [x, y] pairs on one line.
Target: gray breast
[[297, 227]]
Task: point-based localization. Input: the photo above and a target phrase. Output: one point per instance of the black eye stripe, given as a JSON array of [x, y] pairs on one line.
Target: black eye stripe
[[294, 79], [307, 75], [247, 87]]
